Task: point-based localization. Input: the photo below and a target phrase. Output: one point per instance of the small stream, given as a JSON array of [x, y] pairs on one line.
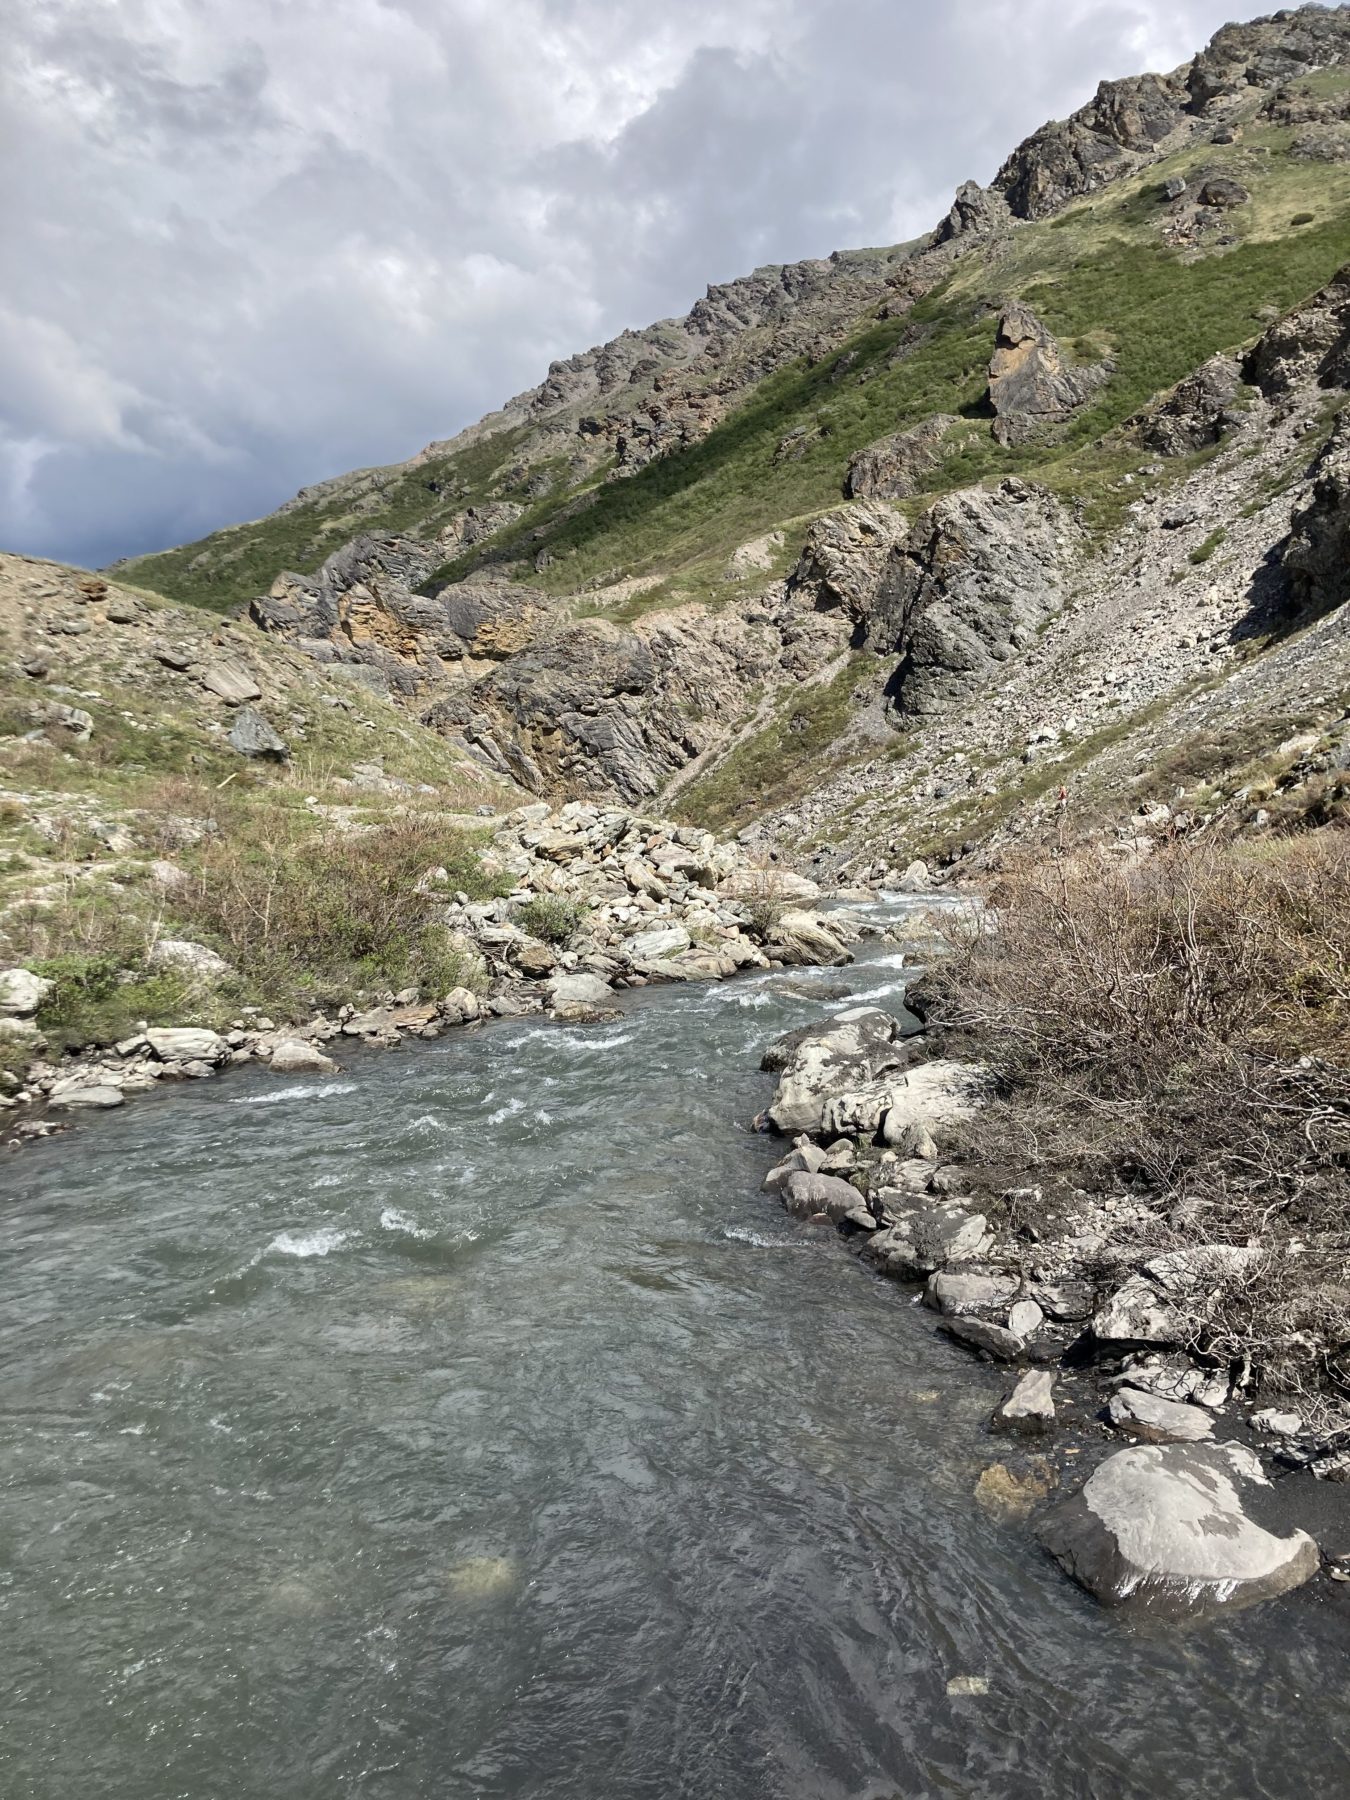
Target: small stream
[[470, 1424]]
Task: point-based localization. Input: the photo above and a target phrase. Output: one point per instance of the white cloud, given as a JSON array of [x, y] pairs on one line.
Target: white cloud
[[249, 246]]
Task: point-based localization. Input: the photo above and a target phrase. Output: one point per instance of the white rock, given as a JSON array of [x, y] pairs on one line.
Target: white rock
[[188, 958], [655, 945], [187, 1044], [1162, 1526], [22, 992], [1157, 1421], [293, 1056], [96, 1096], [1030, 1407]]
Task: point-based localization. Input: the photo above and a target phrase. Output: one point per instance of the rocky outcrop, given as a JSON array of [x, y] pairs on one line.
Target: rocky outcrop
[[1316, 558], [968, 588], [1196, 413], [1163, 1528], [895, 467], [1309, 344], [975, 212], [844, 557], [1031, 391], [1098, 143], [1265, 53]]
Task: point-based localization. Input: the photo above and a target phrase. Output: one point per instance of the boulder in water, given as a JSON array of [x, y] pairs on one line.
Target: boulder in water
[[1162, 1527]]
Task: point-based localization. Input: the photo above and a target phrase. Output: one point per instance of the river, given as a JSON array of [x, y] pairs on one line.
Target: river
[[471, 1424]]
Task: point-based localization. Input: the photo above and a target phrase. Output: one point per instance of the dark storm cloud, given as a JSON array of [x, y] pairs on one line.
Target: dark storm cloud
[[250, 246]]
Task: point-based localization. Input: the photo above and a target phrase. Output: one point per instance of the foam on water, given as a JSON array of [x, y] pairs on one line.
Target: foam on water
[[303, 1090], [309, 1243], [393, 1218]]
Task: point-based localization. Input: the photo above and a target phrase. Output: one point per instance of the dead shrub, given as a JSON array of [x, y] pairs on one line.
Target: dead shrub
[[1182, 1027]]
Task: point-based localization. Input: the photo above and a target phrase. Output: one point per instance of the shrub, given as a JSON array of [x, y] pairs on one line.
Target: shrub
[[300, 914], [549, 917], [1203, 552], [1183, 1027]]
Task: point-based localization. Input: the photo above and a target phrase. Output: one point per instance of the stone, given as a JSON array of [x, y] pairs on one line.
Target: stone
[[591, 992], [22, 992], [1276, 1423], [295, 1056], [661, 942], [940, 1092], [1162, 1527], [894, 468], [804, 1195], [77, 724], [1014, 1494], [232, 681], [462, 1003], [1222, 192], [187, 1044], [1137, 1314], [1196, 413], [1157, 1421], [853, 1047], [967, 589], [1030, 389], [252, 736], [989, 1340], [1029, 1409], [1025, 1318], [957, 1294], [97, 1097], [188, 959]]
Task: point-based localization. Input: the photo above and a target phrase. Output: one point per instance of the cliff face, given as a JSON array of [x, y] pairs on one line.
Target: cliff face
[[1072, 424]]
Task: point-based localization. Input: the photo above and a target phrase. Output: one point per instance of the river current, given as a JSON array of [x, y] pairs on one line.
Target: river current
[[470, 1424]]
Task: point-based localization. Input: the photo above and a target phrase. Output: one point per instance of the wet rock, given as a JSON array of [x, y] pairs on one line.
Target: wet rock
[[1014, 1493], [993, 1341], [854, 1047], [295, 1056], [251, 735], [1157, 1421], [1163, 1527], [589, 993], [804, 1195], [22, 992], [1029, 1410], [94, 1098]]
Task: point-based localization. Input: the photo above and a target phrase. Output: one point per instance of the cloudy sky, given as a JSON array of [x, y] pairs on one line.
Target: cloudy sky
[[251, 243]]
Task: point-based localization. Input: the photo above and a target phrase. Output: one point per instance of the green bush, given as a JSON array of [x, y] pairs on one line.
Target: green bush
[[99, 999], [549, 917]]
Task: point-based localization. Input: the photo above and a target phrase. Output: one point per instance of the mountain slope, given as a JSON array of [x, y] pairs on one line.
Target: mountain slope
[[640, 579]]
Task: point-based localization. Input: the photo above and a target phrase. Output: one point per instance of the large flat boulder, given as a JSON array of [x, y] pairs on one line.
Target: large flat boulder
[[1162, 1527]]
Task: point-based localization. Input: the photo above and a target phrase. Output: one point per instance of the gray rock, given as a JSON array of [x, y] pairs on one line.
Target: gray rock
[[804, 1195], [957, 1294], [1031, 390], [1025, 1318], [232, 680], [586, 992], [22, 992], [660, 942], [1030, 1408], [189, 959], [1137, 1314], [295, 1056], [1157, 1421], [896, 467], [251, 735], [852, 1048], [97, 1097], [187, 1044], [1162, 1527], [990, 1340]]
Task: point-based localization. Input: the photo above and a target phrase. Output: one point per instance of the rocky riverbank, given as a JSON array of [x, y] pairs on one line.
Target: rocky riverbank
[[596, 901], [1101, 1335]]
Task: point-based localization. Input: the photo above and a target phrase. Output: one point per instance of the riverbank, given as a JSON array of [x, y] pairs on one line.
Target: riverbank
[[1098, 1302], [553, 912]]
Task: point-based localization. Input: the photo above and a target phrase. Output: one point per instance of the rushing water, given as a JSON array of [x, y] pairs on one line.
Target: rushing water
[[472, 1425]]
